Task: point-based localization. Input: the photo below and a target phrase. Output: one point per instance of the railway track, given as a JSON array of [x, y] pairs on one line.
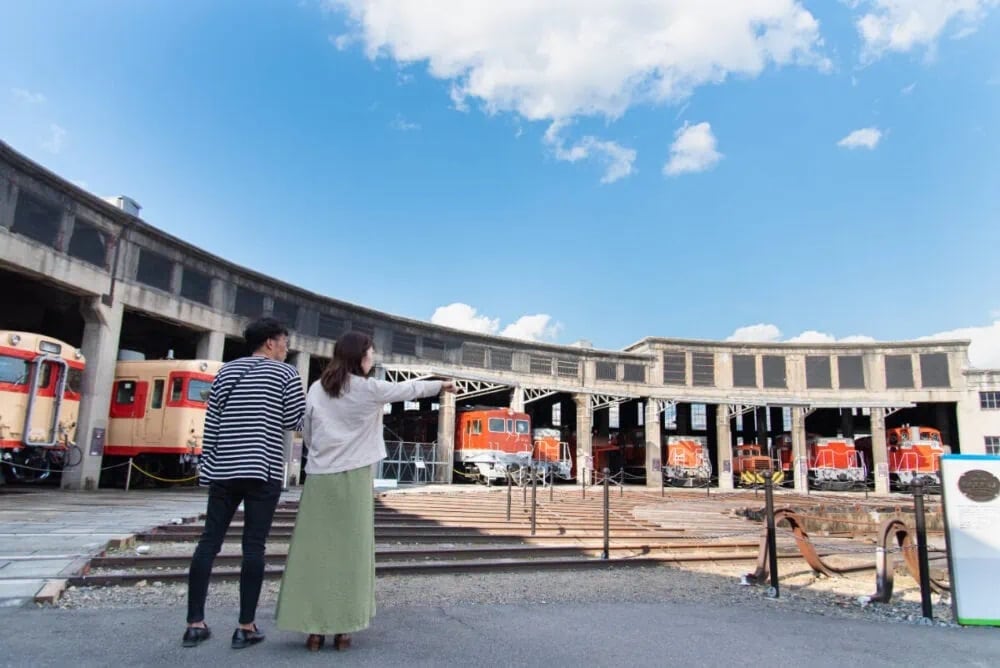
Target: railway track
[[468, 533]]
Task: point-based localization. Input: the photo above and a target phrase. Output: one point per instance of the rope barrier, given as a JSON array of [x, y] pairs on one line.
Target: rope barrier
[[154, 477]]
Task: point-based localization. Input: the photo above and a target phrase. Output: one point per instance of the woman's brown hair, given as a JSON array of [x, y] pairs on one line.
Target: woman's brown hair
[[347, 357]]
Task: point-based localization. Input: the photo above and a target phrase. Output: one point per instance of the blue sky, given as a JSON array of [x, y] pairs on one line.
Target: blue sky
[[559, 170]]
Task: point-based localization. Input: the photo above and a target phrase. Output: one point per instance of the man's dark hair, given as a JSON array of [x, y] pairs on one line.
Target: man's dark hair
[[259, 331]]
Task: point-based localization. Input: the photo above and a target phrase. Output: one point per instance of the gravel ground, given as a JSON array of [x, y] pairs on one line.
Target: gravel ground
[[841, 597]]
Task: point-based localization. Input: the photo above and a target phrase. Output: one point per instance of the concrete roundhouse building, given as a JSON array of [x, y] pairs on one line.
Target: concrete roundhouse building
[[93, 273]]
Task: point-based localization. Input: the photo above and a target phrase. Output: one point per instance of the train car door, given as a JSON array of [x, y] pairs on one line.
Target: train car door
[[153, 422]]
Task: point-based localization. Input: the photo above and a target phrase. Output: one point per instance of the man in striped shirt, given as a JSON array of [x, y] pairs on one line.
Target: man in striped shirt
[[253, 401]]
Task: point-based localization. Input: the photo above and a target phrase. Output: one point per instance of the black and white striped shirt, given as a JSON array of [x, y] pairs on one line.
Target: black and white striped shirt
[[253, 401]]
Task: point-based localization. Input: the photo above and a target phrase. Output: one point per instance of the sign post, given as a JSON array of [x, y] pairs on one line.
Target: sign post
[[970, 487]]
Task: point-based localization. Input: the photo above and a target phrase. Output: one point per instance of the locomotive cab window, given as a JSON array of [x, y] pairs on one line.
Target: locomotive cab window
[[496, 425], [198, 390], [74, 380], [475, 426], [13, 370], [125, 392], [176, 389], [522, 426]]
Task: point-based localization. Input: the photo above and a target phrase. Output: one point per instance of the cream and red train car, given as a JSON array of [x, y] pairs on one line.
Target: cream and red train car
[[40, 379], [157, 414]]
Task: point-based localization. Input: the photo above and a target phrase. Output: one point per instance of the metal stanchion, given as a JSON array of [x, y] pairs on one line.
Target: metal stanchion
[[622, 472], [508, 494], [583, 479], [772, 539], [524, 488], [925, 576], [534, 486], [607, 525], [128, 474], [552, 483]]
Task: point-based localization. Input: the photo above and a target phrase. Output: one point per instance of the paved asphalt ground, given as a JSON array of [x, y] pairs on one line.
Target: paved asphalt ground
[[610, 634]]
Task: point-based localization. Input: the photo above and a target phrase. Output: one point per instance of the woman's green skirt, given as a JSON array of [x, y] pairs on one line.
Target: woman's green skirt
[[329, 581]]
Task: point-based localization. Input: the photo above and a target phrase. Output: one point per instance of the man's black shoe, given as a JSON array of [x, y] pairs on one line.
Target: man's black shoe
[[246, 637], [195, 634]]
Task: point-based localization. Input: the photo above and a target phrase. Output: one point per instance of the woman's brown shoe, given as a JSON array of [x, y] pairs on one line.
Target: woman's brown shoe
[[341, 641], [315, 642]]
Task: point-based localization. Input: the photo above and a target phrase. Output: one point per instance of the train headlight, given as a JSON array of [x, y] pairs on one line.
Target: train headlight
[[15, 339], [78, 354], [203, 366]]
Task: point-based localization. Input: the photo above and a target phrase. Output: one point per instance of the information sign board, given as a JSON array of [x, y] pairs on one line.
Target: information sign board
[[970, 487]]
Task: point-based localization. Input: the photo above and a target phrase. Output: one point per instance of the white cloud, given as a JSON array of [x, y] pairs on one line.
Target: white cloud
[[537, 327], [812, 336], [342, 42], [402, 125], [901, 25], [560, 59], [27, 96], [693, 150], [618, 159], [463, 316], [863, 138], [760, 333], [984, 350], [768, 333], [906, 90], [57, 137]]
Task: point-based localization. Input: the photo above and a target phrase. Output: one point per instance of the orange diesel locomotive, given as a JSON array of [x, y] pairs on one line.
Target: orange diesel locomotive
[[688, 463], [39, 404], [914, 455], [489, 442], [157, 414], [835, 463]]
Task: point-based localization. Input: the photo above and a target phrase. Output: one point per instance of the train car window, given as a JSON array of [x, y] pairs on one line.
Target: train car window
[[176, 389], [156, 401], [496, 425], [46, 376], [522, 426], [510, 426], [476, 427], [74, 381], [125, 394], [198, 390], [13, 370]]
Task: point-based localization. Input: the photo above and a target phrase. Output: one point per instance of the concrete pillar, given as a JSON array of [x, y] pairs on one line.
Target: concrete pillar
[[584, 440], [517, 399], [800, 458], [654, 444], [176, 278], [66, 225], [211, 346], [8, 203], [445, 455], [880, 453], [724, 447], [101, 333]]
